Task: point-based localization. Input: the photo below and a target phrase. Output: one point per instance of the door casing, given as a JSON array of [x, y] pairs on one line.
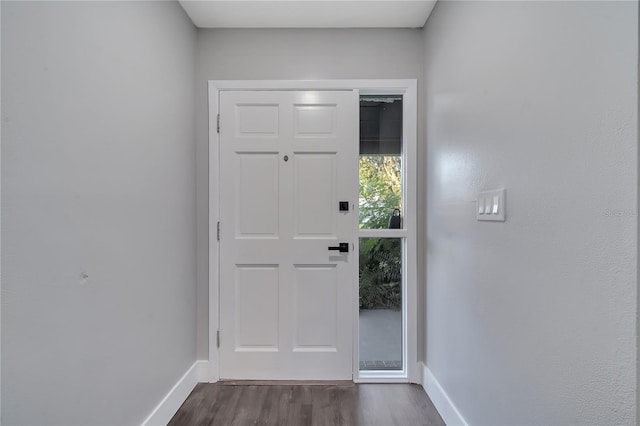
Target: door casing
[[408, 89]]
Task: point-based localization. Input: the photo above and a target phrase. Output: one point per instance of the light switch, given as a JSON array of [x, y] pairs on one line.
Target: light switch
[[480, 205], [492, 205]]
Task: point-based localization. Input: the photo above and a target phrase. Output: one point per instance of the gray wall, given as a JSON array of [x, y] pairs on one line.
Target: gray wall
[[280, 55], [98, 226], [532, 321]]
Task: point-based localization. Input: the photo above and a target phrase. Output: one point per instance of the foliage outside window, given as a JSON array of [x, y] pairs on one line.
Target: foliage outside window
[[380, 273], [380, 258], [380, 189]]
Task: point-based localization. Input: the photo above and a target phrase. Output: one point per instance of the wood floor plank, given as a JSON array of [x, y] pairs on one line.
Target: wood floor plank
[[340, 404]]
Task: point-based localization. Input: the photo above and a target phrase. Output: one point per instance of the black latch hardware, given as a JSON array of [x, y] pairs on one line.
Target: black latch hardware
[[342, 248]]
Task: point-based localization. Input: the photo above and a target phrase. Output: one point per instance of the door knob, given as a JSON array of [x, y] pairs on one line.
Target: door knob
[[342, 248]]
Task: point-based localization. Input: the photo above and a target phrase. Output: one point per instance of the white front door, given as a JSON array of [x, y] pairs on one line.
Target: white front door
[[287, 302]]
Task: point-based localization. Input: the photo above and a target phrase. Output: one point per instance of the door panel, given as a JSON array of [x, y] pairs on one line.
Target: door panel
[[257, 195], [314, 121], [254, 120], [316, 318], [256, 301], [286, 301], [315, 200]]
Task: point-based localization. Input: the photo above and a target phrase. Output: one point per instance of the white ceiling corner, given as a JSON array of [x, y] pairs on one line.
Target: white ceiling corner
[[308, 13]]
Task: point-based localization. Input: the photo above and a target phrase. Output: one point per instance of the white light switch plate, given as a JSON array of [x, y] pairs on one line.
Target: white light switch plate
[[494, 203]]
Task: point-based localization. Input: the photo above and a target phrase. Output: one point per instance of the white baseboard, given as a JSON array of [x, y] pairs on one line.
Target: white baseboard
[[204, 373], [166, 409], [441, 400]]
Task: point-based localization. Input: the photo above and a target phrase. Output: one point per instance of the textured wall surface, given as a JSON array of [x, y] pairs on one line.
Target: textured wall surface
[[532, 321], [98, 206], [289, 55]]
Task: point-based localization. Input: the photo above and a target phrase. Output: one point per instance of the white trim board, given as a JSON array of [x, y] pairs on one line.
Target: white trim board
[[386, 378], [405, 87], [167, 408], [376, 87], [447, 410]]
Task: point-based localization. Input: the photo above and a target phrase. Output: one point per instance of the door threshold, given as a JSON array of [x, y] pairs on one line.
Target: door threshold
[[228, 382]]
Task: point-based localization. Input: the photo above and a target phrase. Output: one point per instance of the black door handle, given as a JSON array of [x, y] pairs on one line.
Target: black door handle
[[342, 248]]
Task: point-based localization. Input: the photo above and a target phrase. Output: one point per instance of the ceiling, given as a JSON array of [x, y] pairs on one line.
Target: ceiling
[[308, 13]]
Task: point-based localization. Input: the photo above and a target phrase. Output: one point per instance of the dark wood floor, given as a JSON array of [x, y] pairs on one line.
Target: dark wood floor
[[300, 405]]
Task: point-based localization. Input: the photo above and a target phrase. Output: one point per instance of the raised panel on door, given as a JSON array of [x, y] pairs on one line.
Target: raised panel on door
[[257, 194], [316, 308], [315, 120], [257, 307], [257, 120], [315, 201]]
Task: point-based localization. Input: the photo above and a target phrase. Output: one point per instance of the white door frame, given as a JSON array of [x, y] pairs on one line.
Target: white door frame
[[405, 87]]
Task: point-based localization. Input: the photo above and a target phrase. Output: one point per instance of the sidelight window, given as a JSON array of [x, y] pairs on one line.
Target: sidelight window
[[381, 253]]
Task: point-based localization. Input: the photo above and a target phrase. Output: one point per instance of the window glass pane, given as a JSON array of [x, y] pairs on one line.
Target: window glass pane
[[380, 191], [380, 162], [381, 125], [380, 303]]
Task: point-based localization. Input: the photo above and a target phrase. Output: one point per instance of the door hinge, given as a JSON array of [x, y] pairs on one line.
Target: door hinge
[[218, 231], [218, 121], [218, 339]]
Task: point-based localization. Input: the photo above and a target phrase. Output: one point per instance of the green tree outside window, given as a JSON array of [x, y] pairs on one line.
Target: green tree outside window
[[380, 258]]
